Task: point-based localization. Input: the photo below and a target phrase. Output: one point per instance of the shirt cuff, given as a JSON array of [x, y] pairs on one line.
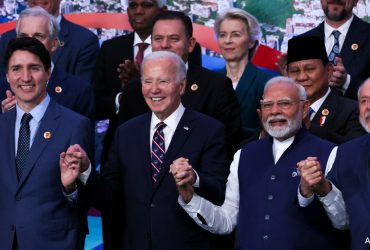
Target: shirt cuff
[[72, 197], [193, 207], [346, 84], [85, 175], [116, 100], [303, 201], [331, 197]]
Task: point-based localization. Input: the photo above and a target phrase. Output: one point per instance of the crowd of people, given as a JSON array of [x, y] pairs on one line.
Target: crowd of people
[[193, 159]]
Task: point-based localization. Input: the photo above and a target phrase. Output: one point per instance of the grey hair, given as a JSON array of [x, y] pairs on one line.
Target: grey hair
[[253, 27], [361, 87], [177, 61], [36, 12], [283, 79], [160, 3]]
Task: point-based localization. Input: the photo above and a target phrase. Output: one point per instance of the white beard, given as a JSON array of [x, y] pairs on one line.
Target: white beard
[[283, 132], [363, 122]]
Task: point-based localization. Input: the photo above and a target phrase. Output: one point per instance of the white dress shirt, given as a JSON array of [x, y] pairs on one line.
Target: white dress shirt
[[317, 104], [329, 42], [223, 219]]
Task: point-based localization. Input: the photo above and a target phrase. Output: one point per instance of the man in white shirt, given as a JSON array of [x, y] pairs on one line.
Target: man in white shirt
[[350, 49], [261, 193]]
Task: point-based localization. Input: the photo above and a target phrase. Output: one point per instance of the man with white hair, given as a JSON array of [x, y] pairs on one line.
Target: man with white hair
[[261, 192], [350, 173]]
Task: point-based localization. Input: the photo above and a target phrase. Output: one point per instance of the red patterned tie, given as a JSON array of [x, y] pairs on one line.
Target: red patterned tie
[[158, 151], [140, 54]]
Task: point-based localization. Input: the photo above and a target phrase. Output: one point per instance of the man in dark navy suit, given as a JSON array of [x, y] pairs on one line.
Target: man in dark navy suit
[[349, 49], [77, 48], [69, 91], [36, 213]]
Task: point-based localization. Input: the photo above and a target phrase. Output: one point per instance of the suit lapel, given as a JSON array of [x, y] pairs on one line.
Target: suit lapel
[[48, 124], [329, 107], [55, 84], [143, 139], [63, 34], [183, 130]]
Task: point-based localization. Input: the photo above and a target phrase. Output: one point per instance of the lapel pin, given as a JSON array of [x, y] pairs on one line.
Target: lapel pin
[[58, 89], [47, 135], [325, 112], [194, 87], [354, 46], [186, 128]]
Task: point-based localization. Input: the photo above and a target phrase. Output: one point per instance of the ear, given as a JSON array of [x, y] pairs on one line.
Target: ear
[[182, 86], [54, 45], [306, 107], [192, 42]]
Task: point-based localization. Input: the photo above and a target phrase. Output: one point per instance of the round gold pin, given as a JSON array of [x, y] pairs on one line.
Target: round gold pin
[[47, 135], [194, 87], [354, 46], [58, 89], [325, 112]]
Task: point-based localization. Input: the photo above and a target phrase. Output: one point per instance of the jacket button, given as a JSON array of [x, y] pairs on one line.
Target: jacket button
[[152, 205]]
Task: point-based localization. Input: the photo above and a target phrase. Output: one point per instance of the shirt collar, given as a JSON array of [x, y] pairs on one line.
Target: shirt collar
[[37, 112], [317, 104], [343, 29], [172, 121], [137, 39]]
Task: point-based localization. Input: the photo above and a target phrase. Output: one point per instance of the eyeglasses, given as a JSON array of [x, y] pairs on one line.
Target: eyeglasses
[[282, 104], [144, 5]]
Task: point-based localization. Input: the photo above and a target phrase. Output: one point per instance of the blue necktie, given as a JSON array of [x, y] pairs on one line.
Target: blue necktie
[[158, 151], [335, 50], [23, 144]]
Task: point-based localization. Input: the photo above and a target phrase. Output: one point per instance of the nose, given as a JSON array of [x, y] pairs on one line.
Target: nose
[[275, 109], [26, 76], [165, 44], [139, 10], [154, 88]]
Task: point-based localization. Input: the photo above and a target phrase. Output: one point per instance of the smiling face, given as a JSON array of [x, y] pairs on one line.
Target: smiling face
[[160, 88], [27, 78], [338, 10], [51, 6], [283, 117], [312, 75], [233, 40]]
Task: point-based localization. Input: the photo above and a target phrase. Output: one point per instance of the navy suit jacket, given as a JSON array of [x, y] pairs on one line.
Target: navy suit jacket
[[341, 124], [351, 174], [152, 217], [35, 208], [356, 61], [76, 55], [67, 90]]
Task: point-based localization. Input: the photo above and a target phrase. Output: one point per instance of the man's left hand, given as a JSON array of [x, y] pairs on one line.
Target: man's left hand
[[339, 76]]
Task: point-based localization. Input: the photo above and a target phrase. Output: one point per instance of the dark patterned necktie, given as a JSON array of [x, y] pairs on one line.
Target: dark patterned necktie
[[310, 112], [158, 151], [335, 50], [140, 54], [23, 144]]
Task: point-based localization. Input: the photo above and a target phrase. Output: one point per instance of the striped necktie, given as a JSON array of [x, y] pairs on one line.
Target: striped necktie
[[158, 151]]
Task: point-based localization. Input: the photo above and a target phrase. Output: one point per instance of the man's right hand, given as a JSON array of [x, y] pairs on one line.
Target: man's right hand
[[9, 102], [184, 177], [127, 71]]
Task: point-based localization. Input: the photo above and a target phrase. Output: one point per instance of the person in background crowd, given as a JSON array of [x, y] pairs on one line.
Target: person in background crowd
[[331, 117], [77, 47], [238, 35]]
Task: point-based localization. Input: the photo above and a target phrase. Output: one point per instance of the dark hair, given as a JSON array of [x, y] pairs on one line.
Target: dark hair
[[31, 45], [176, 15]]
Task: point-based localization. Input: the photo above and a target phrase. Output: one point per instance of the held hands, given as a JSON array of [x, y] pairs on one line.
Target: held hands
[[9, 102], [184, 177], [72, 162], [339, 76], [312, 178], [127, 71]]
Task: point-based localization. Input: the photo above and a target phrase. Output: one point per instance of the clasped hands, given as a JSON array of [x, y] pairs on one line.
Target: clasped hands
[[72, 162], [185, 177], [313, 180]]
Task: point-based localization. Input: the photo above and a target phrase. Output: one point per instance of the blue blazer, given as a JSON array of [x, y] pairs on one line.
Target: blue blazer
[[249, 92], [152, 217], [78, 52], [67, 90], [356, 60], [34, 209], [351, 174]]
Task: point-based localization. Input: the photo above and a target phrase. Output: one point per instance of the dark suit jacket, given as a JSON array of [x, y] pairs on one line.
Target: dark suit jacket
[[34, 208], [76, 56], [341, 124], [206, 91], [356, 61], [67, 90], [152, 217]]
